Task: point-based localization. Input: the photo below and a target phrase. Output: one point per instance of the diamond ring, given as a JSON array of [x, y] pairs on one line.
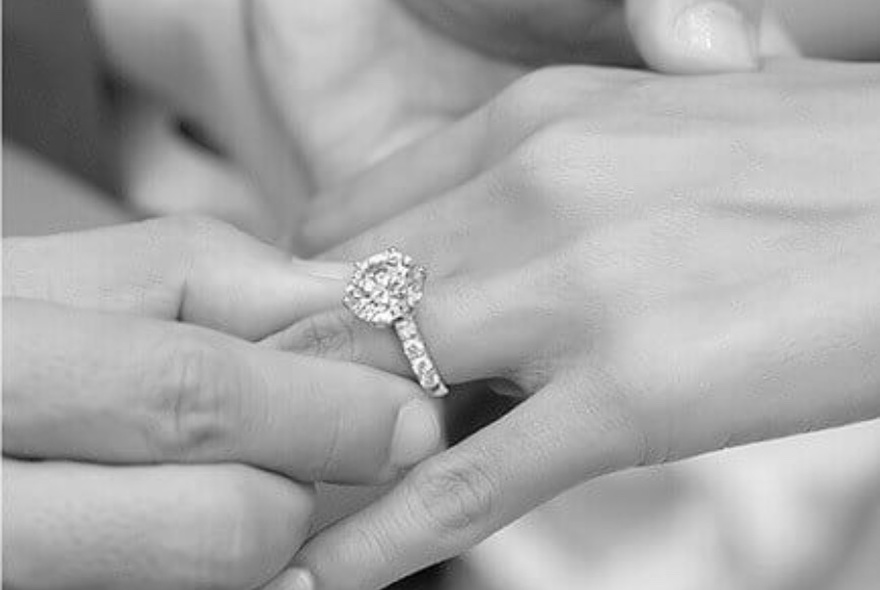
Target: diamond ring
[[384, 292]]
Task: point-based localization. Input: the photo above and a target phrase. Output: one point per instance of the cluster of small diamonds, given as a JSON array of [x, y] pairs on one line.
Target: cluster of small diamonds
[[385, 288], [416, 353]]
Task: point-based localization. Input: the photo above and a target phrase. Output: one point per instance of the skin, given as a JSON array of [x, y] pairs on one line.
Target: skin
[[250, 147], [269, 86], [382, 74], [688, 275], [121, 471], [144, 424], [188, 61]]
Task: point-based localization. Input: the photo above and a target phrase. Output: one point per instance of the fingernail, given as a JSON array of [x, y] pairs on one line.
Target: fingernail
[[719, 35], [416, 434], [294, 579]]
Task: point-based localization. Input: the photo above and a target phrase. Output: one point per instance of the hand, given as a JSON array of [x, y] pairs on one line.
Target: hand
[[148, 439], [662, 266], [355, 81], [187, 64], [351, 80]]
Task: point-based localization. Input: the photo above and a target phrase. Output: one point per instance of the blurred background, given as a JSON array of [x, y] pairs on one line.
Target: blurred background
[[84, 146]]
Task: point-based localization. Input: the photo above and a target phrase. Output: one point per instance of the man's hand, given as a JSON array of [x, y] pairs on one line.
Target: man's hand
[[148, 438], [660, 266]]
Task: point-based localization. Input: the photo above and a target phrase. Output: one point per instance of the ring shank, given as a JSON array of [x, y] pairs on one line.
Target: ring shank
[[416, 352]]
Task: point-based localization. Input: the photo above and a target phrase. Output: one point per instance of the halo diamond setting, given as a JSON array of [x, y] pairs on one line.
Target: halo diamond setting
[[385, 288], [384, 292]]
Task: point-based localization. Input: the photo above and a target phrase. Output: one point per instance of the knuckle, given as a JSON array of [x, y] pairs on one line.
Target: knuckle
[[525, 105], [637, 377], [328, 335], [524, 100], [456, 496], [528, 98], [541, 97], [198, 387], [548, 166]]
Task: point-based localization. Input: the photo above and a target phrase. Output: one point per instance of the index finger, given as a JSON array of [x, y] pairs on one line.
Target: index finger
[[191, 269]]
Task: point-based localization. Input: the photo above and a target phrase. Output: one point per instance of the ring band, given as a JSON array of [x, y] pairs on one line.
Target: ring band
[[417, 354], [384, 291]]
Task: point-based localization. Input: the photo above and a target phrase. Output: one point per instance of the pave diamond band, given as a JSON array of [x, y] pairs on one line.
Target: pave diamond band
[[417, 354], [384, 291]]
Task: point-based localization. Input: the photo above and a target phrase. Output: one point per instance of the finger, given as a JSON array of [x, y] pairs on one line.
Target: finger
[[339, 136], [193, 58], [162, 527], [532, 202], [559, 437], [120, 389], [696, 36], [506, 129], [447, 234], [474, 329], [430, 168], [166, 174], [192, 269]]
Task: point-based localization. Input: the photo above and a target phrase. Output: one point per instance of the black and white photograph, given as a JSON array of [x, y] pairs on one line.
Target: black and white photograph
[[440, 295]]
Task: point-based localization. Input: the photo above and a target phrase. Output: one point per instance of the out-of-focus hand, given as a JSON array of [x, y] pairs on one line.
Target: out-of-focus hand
[[197, 133], [662, 266], [355, 80], [148, 438]]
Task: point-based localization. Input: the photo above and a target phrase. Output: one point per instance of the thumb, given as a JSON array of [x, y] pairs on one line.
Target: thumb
[[697, 36]]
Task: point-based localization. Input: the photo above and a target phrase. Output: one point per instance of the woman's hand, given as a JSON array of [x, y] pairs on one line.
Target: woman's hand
[[357, 80], [149, 440], [662, 266]]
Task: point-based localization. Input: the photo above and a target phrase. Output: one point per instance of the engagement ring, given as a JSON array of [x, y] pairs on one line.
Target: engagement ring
[[384, 292]]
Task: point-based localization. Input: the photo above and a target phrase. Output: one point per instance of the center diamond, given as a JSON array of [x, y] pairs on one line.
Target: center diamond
[[385, 287]]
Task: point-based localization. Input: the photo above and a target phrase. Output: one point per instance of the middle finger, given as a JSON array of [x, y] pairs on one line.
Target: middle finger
[[460, 153]]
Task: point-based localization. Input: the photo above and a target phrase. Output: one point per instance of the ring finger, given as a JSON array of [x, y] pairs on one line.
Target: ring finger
[[473, 327]]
